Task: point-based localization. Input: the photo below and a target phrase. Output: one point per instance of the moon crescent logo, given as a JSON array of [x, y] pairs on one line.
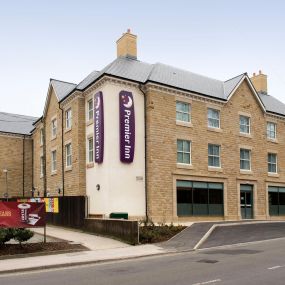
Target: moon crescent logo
[[129, 103], [97, 103]]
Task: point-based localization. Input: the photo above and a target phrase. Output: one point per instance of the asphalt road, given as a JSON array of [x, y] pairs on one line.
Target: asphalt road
[[261, 263]]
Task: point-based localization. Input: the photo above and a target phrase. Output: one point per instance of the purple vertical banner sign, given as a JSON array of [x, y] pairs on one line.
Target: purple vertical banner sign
[[127, 126], [99, 127]]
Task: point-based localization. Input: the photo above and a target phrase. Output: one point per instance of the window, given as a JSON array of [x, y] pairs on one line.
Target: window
[[183, 111], [244, 124], [272, 162], [245, 157], [214, 155], [199, 198], [53, 161], [276, 201], [68, 119], [41, 136], [271, 130], [41, 166], [183, 151], [68, 154], [90, 109], [53, 128], [213, 118], [90, 150]]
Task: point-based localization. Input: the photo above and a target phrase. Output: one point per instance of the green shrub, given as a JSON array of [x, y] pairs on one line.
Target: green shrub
[[6, 235], [22, 235]]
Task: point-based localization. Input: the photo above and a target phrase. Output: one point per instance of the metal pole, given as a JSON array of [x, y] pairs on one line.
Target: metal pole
[[7, 185], [45, 234]]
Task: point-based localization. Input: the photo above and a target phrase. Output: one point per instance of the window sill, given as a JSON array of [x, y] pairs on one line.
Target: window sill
[[184, 165], [67, 130], [272, 140], [53, 173], [90, 165], [41, 145], [41, 176], [90, 122], [244, 171], [272, 174], [184, 124], [53, 138], [215, 169], [217, 130], [68, 168], [245, 135]]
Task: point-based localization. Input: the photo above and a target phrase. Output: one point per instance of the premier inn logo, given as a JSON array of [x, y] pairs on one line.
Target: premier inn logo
[[127, 126], [99, 127]]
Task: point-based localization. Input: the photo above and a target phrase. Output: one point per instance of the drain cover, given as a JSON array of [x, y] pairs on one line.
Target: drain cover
[[208, 261]]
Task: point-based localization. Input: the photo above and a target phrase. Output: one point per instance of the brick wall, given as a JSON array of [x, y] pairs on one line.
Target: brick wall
[[13, 151]]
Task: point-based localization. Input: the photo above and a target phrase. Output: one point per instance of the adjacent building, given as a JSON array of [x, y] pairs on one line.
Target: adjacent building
[[154, 140]]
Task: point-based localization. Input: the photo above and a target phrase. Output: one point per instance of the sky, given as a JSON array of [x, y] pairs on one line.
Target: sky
[[67, 40]]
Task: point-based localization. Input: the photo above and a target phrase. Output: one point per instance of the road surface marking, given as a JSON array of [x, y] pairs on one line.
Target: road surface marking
[[208, 282], [275, 267]]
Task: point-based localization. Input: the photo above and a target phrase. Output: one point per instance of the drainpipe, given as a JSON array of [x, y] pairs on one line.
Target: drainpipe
[[62, 149], [145, 153], [44, 157], [24, 166], [33, 185]]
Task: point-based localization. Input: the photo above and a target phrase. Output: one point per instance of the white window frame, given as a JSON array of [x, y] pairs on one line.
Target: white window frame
[[209, 118], [68, 156], [53, 161], [53, 128], [68, 118], [184, 112], [184, 152], [41, 166], [244, 169], [90, 150], [272, 163], [246, 125], [269, 132], [213, 155], [90, 111]]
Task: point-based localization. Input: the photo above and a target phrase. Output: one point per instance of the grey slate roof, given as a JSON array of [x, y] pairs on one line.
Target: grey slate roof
[[62, 88], [142, 72], [272, 104], [16, 124]]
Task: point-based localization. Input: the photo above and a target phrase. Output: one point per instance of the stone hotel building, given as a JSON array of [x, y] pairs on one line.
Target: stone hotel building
[[152, 140]]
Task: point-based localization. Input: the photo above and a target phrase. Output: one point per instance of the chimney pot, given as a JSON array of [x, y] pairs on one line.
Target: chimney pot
[[260, 72], [129, 31], [254, 73]]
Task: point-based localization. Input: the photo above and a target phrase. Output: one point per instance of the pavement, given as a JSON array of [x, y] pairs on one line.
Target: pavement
[[198, 235], [93, 242]]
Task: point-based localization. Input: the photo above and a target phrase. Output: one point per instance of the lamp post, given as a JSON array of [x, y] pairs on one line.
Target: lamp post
[[6, 175]]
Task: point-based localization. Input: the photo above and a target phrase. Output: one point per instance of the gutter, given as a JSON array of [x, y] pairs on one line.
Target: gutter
[[145, 154]]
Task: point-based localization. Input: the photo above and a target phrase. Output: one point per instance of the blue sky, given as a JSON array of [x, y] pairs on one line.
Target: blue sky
[[67, 40]]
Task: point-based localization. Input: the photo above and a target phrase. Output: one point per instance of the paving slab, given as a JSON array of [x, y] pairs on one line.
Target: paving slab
[[91, 241], [242, 233]]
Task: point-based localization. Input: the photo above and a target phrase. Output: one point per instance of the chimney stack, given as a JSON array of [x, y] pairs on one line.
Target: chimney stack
[[127, 45], [259, 82]]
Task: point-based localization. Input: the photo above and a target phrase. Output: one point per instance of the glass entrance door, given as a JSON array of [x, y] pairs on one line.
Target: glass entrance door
[[246, 201]]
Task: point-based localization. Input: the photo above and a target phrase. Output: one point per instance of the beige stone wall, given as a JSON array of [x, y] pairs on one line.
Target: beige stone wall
[[37, 153], [13, 151], [74, 176], [162, 169]]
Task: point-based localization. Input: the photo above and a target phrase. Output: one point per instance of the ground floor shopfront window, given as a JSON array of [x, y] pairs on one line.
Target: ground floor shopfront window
[[199, 198], [276, 199]]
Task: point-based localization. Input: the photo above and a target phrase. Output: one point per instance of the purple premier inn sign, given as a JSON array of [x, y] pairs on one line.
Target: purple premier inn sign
[[99, 127], [127, 126]]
